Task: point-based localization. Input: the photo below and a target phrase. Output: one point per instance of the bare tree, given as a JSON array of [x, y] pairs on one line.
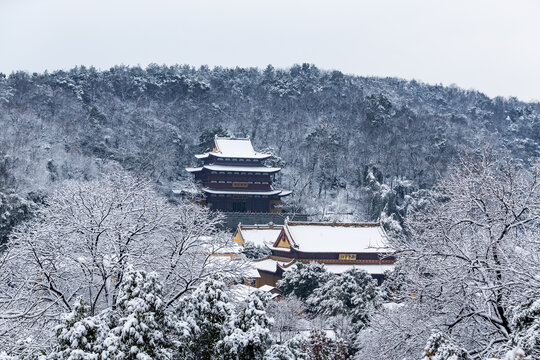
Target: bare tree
[[81, 242], [470, 255]]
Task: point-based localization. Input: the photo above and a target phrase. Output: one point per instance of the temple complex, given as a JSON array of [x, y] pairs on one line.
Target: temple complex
[[234, 178], [339, 246]]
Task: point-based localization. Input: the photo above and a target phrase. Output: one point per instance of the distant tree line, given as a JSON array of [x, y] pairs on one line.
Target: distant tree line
[[364, 146]]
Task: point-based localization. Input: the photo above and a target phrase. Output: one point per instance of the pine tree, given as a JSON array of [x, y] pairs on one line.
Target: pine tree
[[342, 350], [142, 332], [78, 337], [353, 293], [293, 349], [320, 346], [205, 314], [279, 352], [303, 280], [248, 334], [526, 326]]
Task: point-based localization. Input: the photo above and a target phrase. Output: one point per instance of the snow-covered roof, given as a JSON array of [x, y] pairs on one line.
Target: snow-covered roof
[[284, 249], [242, 192], [234, 148], [266, 288], [260, 169], [259, 235], [250, 271], [337, 237], [270, 265], [266, 265]]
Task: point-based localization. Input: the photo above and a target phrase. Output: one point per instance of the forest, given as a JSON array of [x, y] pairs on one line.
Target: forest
[[350, 146], [97, 260]]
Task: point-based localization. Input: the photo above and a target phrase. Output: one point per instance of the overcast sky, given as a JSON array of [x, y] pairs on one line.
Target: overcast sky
[[489, 45]]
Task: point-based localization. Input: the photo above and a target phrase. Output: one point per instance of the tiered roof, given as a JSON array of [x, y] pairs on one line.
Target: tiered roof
[[236, 156], [247, 192], [212, 167]]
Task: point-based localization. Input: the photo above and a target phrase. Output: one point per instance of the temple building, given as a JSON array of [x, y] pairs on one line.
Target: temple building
[[339, 246], [257, 235], [234, 178]]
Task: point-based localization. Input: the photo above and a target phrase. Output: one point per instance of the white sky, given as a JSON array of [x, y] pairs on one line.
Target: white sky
[[489, 45]]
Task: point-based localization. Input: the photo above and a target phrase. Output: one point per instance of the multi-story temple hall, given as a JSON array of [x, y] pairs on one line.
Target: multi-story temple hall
[[234, 178]]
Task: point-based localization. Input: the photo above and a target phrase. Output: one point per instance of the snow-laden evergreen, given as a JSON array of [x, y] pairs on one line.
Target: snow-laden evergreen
[[356, 148], [79, 335], [293, 349], [469, 261], [79, 244], [526, 325], [354, 293], [206, 312], [143, 329], [343, 302], [247, 334], [303, 280]]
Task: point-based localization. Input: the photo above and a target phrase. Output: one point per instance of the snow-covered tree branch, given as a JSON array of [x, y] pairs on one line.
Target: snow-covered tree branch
[[80, 243], [471, 255]]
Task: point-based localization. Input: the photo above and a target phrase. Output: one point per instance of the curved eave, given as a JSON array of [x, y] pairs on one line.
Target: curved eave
[[237, 192], [284, 249], [373, 250], [279, 193], [257, 156], [242, 169]]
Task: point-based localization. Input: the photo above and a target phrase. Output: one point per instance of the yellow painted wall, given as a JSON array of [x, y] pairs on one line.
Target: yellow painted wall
[[238, 239], [284, 243]]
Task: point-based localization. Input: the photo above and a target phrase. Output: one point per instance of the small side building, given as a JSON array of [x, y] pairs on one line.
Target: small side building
[[258, 235], [339, 246]]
